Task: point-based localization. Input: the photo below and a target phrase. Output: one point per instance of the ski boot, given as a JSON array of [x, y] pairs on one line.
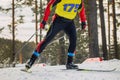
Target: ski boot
[[71, 66], [31, 61], [28, 65]]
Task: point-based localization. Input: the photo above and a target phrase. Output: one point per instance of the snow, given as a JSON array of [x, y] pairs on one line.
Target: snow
[[46, 72]]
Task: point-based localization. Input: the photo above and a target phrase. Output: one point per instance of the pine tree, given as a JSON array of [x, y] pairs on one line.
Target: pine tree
[[92, 28]]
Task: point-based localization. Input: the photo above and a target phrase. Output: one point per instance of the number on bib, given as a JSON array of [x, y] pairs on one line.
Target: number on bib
[[70, 7]]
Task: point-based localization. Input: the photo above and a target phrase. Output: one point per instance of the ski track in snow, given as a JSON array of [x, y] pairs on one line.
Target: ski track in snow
[[40, 72]]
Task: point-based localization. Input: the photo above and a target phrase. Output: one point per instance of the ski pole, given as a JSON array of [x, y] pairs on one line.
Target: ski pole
[[24, 45]]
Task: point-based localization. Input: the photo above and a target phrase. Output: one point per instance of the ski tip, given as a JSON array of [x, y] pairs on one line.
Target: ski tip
[[97, 70], [114, 69]]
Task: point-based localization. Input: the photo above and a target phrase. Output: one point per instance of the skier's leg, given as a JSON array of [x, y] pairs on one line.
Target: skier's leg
[[71, 32], [54, 29]]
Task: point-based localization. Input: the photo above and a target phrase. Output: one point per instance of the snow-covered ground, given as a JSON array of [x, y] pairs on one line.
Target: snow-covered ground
[[40, 72]]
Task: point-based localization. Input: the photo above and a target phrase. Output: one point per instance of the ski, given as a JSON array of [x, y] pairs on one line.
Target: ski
[[69, 69], [92, 70], [97, 70], [26, 70]]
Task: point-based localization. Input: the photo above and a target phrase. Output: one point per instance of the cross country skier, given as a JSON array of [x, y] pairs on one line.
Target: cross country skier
[[65, 13]]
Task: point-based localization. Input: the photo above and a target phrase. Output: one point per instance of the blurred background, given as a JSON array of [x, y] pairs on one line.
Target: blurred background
[[19, 32]]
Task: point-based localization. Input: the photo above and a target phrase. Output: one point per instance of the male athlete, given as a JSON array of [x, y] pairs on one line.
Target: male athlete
[[65, 12]]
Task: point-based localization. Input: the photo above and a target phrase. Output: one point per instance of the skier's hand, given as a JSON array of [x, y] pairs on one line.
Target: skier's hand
[[83, 25], [42, 24]]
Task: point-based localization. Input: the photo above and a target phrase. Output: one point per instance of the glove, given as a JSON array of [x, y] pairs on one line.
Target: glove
[[83, 25], [42, 24]]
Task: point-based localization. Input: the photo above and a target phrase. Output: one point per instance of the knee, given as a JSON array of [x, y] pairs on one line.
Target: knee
[[39, 46]]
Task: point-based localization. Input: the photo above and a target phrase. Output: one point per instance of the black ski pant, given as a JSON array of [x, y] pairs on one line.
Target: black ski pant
[[59, 24]]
